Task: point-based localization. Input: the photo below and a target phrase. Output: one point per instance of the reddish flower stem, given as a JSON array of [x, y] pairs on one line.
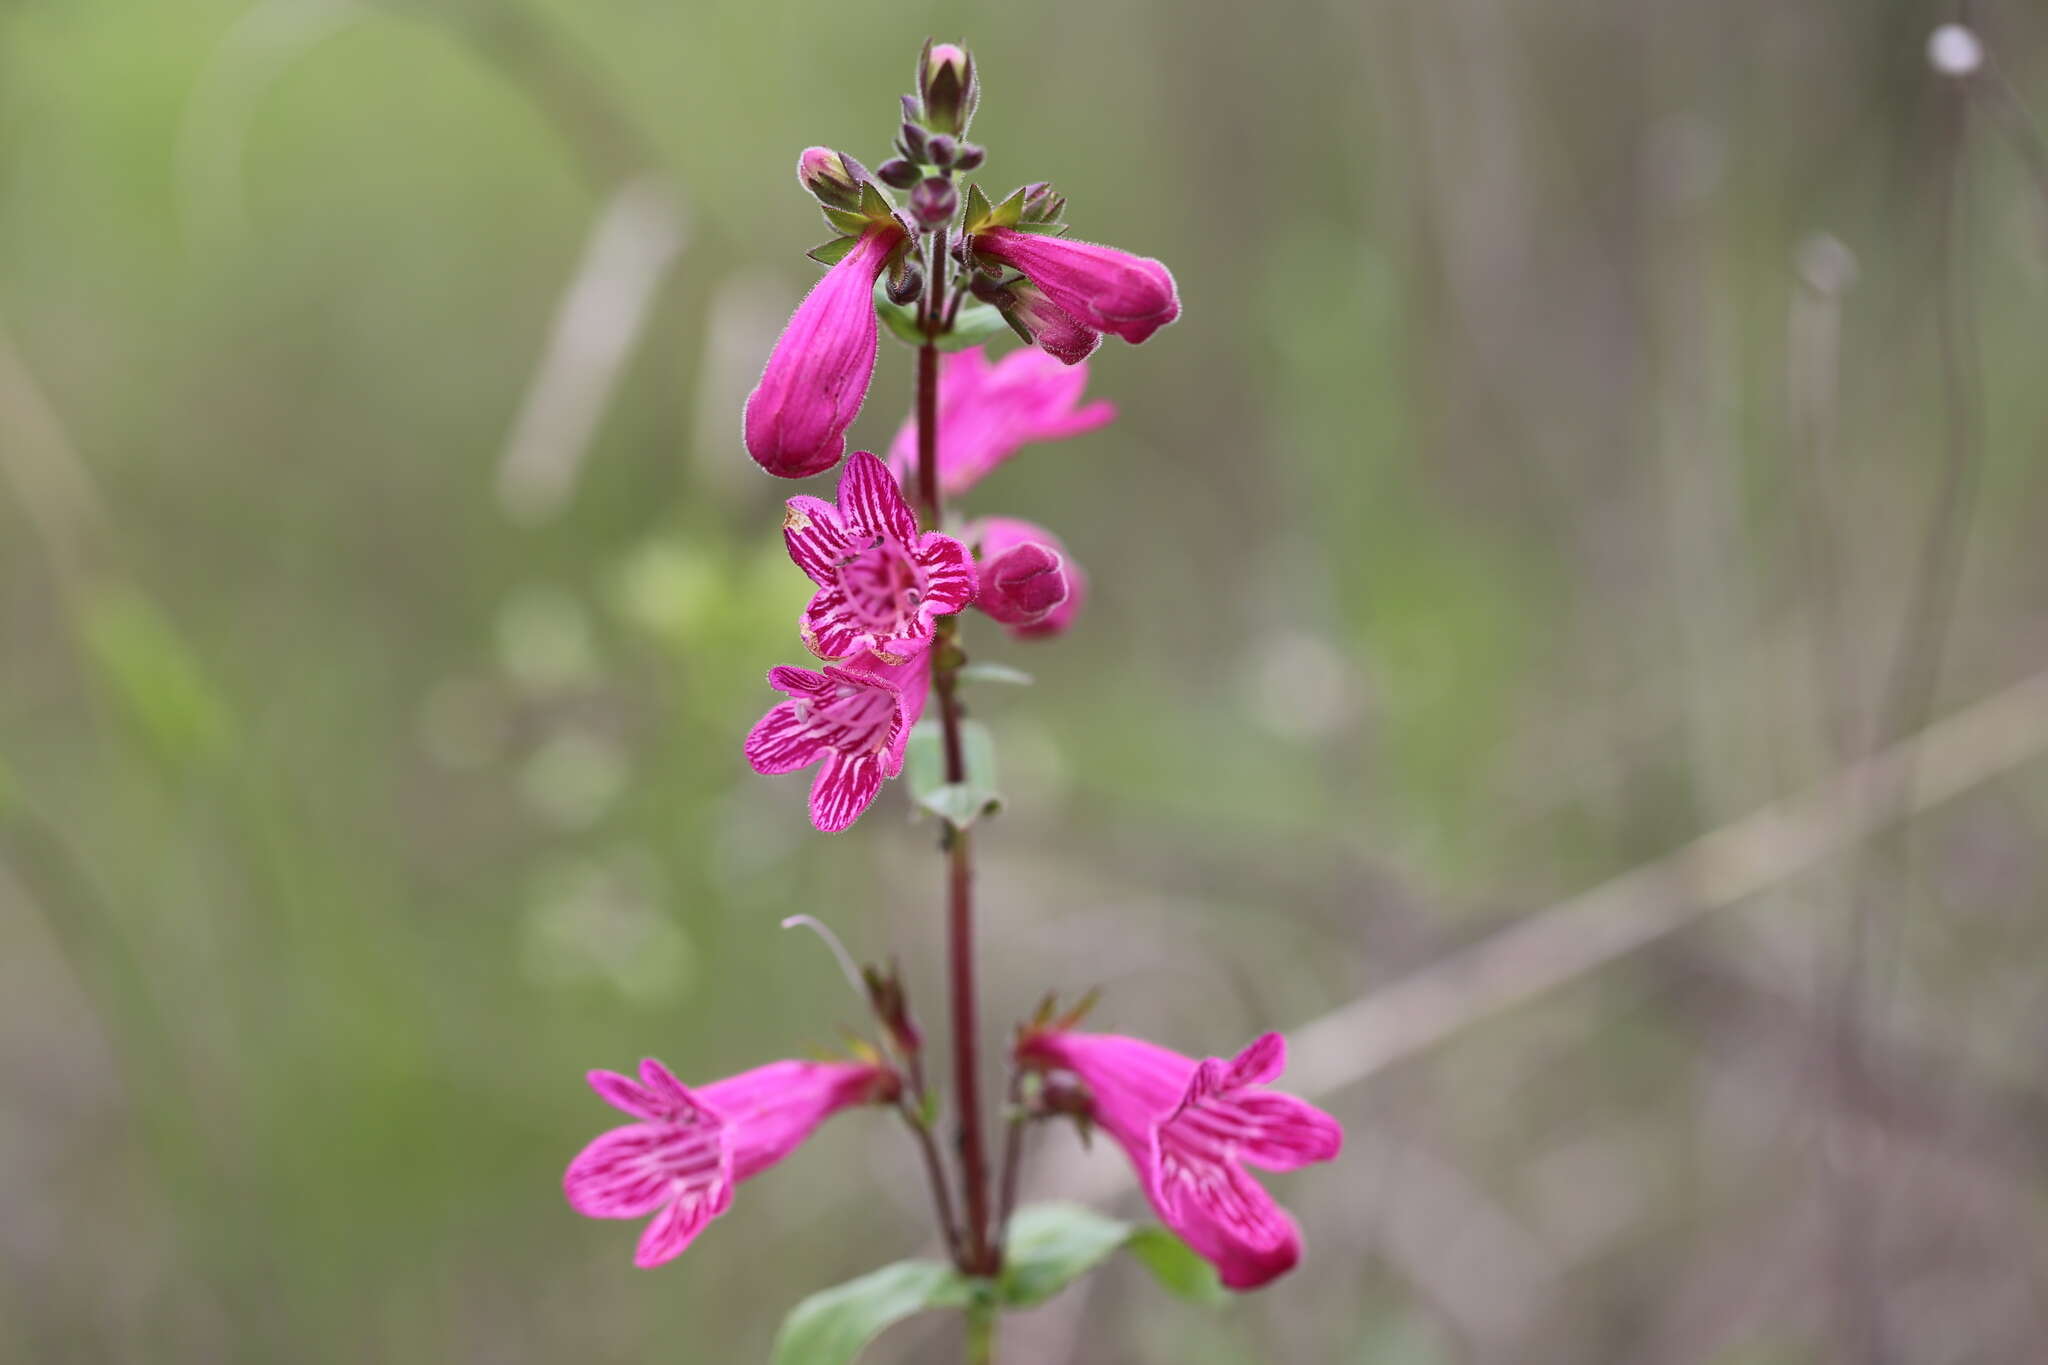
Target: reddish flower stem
[[976, 1253]]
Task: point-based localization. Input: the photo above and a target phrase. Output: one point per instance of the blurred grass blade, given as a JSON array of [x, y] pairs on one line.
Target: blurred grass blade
[[153, 677]]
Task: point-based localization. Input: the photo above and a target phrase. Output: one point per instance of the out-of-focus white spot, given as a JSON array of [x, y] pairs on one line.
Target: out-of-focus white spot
[[600, 922], [1954, 50], [463, 723], [1825, 265], [573, 778], [1301, 686], [544, 640]]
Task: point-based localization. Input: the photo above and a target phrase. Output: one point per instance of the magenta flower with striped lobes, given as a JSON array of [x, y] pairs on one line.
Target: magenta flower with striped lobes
[[882, 584], [1100, 287], [817, 376], [1028, 581], [988, 411], [855, 719], [689, 1148], [1190, 1128]]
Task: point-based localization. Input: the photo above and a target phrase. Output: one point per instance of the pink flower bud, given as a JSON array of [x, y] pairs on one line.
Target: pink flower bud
[[832, 177], [934, 202], [948, 87], [1028, 581], [817, 375], [1048, 326], [1102, 287]]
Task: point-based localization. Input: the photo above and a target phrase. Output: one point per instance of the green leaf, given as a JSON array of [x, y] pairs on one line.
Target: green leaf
[[832, 252], [995, 673], [1177, 1268], [898, 318], [924, 766], [1051, 1245], [833, 1326], [974, 324]]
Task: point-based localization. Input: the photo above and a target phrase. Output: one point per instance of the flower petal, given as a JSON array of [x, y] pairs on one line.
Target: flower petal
[[782, 742], [949, 577], [796, 681], [676, 1226], [817, 541], [869, 500], [626, 1094], [829, 628], [845, 787], [1228, 1218]]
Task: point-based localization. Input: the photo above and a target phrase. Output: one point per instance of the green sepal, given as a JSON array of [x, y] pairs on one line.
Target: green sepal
[[846, 221], [834, 251], [1044, 229], [874, 205], [833, 1326], [1010, 212], [978, 209]]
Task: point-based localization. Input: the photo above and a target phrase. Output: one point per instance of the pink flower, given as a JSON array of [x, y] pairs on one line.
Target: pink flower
[[856, 719], [1028, 581], [1103, 288], [682, 1159], [1190, 1129], [817, 375], [987, 412], [881, 583]]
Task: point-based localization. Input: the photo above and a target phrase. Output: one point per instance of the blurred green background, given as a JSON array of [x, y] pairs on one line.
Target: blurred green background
[[1542, 474]]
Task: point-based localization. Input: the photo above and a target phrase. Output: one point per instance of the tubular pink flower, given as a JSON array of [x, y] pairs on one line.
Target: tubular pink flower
[[689, 1149], [855, 719], [882, 584], [1190, 1128], [1107, 289], [1028, 581], [817, 375], [989, 411]]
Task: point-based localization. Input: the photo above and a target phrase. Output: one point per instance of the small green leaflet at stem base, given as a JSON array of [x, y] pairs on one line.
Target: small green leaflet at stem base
[[833, 1326], [924, 767], [1052, 1245], [995, 673], [975, 323]]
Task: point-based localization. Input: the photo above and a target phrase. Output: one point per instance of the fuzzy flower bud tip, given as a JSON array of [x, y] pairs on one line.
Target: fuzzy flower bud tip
[[947, 86], [833, 178], [1029, 582]]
